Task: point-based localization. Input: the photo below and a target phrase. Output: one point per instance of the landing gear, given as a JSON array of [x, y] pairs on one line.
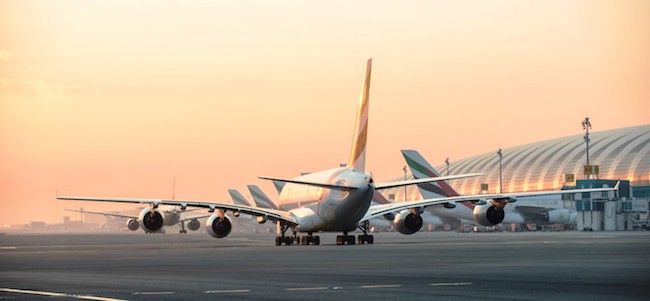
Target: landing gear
[[345, 239], [182, 231], [309, 239], [281, 238], [365, 238]]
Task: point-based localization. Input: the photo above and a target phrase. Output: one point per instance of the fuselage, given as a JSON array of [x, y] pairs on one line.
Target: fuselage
[[464, 210], [171, 215], [325, 209]]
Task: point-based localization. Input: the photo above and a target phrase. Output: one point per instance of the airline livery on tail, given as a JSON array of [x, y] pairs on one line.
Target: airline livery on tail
[[335, 200]]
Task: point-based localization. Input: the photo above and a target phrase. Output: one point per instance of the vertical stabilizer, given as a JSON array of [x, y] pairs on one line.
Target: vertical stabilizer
[[358, 154], [260, 198], [420, 168], [279, 185], [237, 198]]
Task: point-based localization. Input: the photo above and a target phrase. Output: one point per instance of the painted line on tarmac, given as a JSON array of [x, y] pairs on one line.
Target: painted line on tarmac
[[382, 286], [9, 248], [153, 293], [53, 294], [450, 283], [228, 291], [298, 289]]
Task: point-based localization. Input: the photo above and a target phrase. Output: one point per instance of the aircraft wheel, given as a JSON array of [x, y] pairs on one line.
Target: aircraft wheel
[[350, 240]]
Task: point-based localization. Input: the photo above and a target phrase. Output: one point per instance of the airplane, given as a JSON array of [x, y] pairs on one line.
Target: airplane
[[171, 216], [334, 200], [526, 211]]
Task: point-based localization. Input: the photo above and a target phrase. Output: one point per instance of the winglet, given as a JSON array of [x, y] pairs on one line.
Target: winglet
[[358, 153]]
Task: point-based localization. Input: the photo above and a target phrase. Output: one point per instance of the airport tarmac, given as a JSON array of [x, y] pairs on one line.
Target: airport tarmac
[[424, 266]]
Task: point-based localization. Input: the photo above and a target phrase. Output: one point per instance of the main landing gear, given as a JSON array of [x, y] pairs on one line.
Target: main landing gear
[[281, 238], [346, 239], [365, 238], [310, 239], [182, 231]]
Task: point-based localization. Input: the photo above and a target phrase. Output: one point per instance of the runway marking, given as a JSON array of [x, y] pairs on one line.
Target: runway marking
[[450, 284], [297, 289], [153, 293], [381, 286], [8, 248], [53, 294], [228, 291]]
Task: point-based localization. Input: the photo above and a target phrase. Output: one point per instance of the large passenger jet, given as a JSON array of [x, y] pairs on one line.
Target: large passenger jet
[[171, 216], [334, 200], [526, 211]]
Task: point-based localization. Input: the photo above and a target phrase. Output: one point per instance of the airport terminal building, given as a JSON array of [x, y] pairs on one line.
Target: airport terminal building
[[619, 154]]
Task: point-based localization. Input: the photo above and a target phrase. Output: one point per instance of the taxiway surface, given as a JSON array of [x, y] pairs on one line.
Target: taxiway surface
[[425, 266]]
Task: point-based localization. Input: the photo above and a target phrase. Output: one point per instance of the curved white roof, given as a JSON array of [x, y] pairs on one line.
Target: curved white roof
[[621, 154]]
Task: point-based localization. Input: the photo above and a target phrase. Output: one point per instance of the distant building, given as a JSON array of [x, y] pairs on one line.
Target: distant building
[[552, 164]]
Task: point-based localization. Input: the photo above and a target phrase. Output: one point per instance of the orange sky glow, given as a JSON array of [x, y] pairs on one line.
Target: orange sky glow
[[116, 98]]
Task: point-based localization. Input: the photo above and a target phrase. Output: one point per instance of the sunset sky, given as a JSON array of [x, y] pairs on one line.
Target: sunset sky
[[116, 98]]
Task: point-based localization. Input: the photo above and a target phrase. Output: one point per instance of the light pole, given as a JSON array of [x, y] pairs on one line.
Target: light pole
[[404, 169], [586, 125], [500, 154], [447, 162]]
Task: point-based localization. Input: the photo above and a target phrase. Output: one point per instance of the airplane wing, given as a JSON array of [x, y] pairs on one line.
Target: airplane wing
[[275, 215], [189, 218], [102, 213], [379, 210]]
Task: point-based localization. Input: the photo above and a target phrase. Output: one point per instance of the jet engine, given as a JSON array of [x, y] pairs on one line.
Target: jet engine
[[559, 216], [218, 227], [151, 220], [489, 213], [406, 222], [132, 224], [261, 219], [193, 224]]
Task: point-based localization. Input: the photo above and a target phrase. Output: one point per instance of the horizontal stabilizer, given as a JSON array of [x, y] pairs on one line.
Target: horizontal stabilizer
[[425, 180], [322, 185]]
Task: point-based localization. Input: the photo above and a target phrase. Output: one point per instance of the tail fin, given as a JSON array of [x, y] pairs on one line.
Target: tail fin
[[358, 154], [279, 185], [260, 198], [237, 198], [380, 199], [420, 168]]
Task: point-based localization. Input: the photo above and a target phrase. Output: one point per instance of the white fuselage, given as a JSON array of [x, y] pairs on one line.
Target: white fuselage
[[465, 210], [326, 209]]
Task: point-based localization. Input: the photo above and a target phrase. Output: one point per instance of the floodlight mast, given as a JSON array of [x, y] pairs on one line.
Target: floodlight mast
[[500, 154], [586, 125]]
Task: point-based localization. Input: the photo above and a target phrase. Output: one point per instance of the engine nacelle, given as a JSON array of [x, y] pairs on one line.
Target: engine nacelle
[[261, 219], [132, 224], [193, 224], [151, 220], [407, 223], [559, 216], [488, 214], [217, 227]]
